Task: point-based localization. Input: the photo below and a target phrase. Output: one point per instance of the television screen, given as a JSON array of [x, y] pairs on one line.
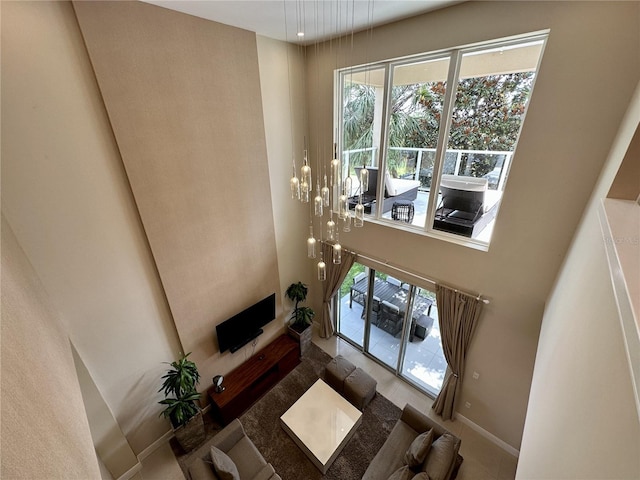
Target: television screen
[[240, 329]]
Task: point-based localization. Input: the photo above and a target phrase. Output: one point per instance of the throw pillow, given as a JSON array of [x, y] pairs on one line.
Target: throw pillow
[[418, 449], [440, 457], [223, 465], [421, 476], [403, 473]]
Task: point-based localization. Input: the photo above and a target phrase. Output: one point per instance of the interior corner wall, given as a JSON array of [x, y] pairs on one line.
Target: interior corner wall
[[563, 145], [183, 96], [283, 96], [66, 196], [582, 417], [45, 433]]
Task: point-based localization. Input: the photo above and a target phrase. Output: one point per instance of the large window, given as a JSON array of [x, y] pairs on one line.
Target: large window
[[437, 133]]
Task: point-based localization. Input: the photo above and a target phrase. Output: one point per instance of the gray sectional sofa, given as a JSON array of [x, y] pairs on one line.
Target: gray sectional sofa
[[442, 458], [238, 449]]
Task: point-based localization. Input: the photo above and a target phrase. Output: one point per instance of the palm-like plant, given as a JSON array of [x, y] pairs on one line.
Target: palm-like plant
[[301, 316], [180, 382]]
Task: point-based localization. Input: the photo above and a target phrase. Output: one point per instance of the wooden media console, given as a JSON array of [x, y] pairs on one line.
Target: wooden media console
[[248, 382]]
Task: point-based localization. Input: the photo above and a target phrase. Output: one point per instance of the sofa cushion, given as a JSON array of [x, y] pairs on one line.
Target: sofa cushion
[[391, 455], [440, 457], [202, 470], [225, 467], [421, 476], [249, 461], [403, 473], [417, 451], [266, 473]]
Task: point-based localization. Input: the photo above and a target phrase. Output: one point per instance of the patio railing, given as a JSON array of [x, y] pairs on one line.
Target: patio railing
[[417, 163]]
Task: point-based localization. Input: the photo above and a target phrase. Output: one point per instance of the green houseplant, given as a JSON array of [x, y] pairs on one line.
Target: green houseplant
[[301, 317], [179, 388]]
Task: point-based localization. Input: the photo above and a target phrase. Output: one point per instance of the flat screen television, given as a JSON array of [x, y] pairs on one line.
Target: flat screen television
[[235, 333]]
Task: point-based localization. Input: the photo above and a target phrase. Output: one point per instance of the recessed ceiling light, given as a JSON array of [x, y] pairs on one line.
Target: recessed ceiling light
[[301, 34]]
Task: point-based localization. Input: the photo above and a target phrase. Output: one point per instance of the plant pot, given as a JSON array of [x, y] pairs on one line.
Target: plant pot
[[192, 434], [302, 336]]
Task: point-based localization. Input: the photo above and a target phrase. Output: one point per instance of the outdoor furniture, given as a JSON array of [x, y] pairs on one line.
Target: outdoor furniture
[[394, 281], [386, 291], [375, 309], [420, 327], [402, 211], [390, 318]]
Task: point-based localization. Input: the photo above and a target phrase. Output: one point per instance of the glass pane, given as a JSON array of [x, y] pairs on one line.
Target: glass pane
[[417, 98], [424, 363], [352, 302], [362, 100], [387, 319], [494, 87]]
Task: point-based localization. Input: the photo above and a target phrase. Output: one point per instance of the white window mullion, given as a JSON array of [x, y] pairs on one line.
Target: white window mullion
[[443, 136], [384, 135]]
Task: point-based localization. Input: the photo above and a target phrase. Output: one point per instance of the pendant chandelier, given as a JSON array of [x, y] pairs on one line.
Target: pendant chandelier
[[327, 215]]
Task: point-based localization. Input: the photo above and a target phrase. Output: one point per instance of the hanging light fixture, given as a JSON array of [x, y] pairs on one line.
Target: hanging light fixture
[[311, 244], [295, 183], [331, 228], [318, 201], [305, 175], [325, 191], [346, 223], [364, 179], [337, 251], [322, 269], [358, 219], [343, 201]]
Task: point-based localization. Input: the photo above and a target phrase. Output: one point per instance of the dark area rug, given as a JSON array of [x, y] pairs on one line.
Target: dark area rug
[[262, 424]]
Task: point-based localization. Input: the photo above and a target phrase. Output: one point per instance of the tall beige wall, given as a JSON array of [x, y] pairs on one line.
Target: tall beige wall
[[589, 70], [66, 195], [44, 430], [582, 416], [283, 96], [184, 100]]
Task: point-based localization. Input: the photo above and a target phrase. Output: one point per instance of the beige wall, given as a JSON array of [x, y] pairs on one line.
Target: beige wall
[[564, 142], [582, 416], [283, 96], [44, 430], [66, 195], [626, 185], [183, 96]]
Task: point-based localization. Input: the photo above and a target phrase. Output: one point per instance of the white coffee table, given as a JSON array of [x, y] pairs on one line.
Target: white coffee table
[[321, 423]]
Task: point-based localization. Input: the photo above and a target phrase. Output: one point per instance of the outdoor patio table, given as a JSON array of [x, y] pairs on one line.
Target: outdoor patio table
[[393, 294]]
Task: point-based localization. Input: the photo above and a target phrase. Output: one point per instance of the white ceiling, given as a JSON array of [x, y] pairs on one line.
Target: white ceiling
[[319, 19]]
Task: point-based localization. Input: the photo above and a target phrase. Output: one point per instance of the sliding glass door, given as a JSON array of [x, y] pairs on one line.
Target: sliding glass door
[[395, 323]]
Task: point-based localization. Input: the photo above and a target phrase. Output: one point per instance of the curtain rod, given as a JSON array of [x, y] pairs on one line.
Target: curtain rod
[[402, 270]]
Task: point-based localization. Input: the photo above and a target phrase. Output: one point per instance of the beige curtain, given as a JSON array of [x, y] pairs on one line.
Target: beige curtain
[[458, 315], [336, 273]]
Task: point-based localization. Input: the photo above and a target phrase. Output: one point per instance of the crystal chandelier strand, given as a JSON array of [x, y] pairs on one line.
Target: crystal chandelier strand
[[295, 183]]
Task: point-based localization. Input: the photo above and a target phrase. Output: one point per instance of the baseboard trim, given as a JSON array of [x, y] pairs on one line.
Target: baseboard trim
[[131, 472], [155, 445], [488, 435], [160, 441]]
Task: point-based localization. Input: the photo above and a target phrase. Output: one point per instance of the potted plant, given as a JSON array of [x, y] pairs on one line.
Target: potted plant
[[183, 412], [301, 317]]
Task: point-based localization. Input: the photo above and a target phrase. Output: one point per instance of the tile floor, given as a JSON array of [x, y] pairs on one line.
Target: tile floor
[[483, 460]]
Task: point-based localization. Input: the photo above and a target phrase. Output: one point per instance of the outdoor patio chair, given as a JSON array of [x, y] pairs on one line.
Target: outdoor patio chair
[[375, 309], [393, 281], [390, 318]]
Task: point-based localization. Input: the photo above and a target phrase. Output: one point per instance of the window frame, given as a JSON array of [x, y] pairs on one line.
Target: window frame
[[455, 56]]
